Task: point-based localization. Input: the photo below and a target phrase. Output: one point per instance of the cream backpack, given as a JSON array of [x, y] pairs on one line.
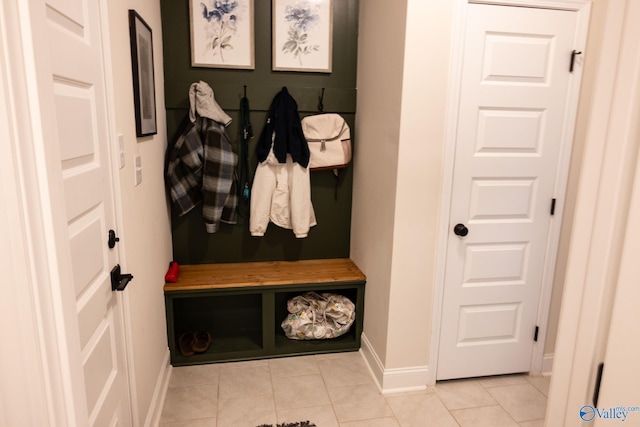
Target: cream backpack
[[329, 139]]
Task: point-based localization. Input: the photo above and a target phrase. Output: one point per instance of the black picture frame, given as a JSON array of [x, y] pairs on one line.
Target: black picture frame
[[144, 94]]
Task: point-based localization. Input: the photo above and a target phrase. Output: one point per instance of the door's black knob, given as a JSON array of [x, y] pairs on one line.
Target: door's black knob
[[460, 230], [113, 239]]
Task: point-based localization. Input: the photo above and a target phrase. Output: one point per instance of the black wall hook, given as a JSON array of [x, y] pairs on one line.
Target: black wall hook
[[320, 99], [245, 91]]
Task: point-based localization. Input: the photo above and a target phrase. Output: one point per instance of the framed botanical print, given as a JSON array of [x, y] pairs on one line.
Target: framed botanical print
[[302, 32], [222, 34]]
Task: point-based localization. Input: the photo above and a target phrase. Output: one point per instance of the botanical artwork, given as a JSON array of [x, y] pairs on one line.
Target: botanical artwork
[[301, 17], [302, 35], [222, 33]]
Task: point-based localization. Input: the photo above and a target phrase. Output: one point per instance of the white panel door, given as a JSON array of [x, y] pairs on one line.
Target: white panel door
[[513, 101], [79, 106]]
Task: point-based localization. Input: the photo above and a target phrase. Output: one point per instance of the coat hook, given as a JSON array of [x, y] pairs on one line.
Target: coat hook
[[245, 91], [320, 99]]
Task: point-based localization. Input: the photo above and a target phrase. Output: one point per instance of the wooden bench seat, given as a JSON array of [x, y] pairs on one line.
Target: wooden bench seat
[[250, 274], [243, 304]]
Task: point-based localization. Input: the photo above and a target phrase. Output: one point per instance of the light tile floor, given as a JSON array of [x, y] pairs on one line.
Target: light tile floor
[[337, 390]]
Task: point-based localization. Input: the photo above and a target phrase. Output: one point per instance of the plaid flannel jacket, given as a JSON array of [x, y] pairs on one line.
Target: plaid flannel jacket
[[202, 168]]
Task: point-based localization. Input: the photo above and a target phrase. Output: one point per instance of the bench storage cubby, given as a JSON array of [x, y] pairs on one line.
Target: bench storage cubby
[[243, 304]]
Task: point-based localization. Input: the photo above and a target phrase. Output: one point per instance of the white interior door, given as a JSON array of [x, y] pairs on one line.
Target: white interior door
[[511, 126], [79, 171]]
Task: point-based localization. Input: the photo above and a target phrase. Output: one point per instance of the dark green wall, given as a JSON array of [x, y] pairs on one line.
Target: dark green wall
[[233, 243]]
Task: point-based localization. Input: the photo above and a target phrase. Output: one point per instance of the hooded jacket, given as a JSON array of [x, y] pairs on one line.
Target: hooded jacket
[[202, 164], [281, 191], [284, 129]]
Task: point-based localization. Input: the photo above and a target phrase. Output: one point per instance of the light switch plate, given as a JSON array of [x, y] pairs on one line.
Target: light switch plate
[[138, 169], [121, 149]]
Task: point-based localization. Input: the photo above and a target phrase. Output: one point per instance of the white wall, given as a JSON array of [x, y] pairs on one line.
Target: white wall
[[418, 193], [400, 125], [146, 236], [379, 81]]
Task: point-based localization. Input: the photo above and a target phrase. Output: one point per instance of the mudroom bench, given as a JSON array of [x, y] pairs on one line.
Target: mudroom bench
[[242, 305]]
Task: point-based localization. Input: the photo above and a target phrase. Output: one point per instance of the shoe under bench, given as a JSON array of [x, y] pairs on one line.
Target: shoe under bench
[[243, 304]]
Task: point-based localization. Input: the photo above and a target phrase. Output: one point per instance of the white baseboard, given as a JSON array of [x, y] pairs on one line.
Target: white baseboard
[[160, 393], [547, 364], [393, 380], [372, 361]]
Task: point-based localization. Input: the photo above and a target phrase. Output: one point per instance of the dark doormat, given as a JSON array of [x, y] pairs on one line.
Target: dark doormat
[[298, 424]]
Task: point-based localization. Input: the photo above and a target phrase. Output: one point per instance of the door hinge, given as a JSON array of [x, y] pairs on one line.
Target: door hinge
[[596, 391], [553, 206], [535, 334]]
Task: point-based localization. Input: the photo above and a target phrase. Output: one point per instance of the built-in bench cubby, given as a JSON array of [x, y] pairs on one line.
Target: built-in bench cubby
[[243, 304]]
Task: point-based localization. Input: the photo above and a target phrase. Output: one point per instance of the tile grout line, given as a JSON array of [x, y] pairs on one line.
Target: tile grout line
[[218, 397], [511, 385], [273, 391], [455, 420], [326, 389], [497, 403]]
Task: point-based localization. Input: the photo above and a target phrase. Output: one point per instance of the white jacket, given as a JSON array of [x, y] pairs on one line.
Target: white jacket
[[281, 193]]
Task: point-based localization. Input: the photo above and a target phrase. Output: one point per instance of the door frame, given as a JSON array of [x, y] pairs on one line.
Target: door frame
[[58, 382], [583, 9], [124, 302], [604, 200]]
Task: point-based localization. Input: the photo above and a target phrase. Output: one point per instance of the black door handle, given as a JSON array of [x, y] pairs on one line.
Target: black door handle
[[460, 230], [119, 281]]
